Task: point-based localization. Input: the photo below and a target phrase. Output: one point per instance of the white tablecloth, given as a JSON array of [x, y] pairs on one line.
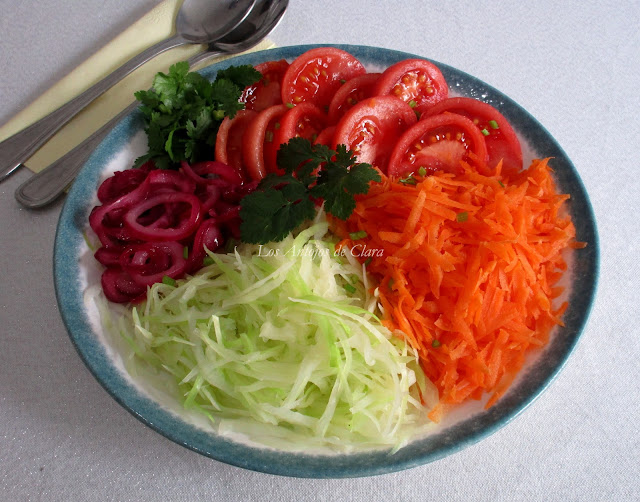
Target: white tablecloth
[[574, 65]]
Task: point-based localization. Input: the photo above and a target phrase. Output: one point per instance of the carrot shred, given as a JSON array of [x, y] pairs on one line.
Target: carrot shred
[[473, 294]]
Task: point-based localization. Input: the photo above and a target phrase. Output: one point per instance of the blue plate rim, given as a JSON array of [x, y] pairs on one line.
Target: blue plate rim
[[417, 453]]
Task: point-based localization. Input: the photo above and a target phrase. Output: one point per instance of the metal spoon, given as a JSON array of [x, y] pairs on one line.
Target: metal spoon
[[198, 22], [46, 186]]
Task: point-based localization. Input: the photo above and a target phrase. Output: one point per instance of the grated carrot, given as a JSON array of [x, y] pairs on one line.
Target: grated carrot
[[475, 293]]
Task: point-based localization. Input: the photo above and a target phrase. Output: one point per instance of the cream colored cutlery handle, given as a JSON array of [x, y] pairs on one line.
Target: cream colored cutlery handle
[[19, 147], [47, 185]]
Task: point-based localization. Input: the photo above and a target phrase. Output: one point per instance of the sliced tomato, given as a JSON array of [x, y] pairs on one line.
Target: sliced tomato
[[415, 81], [326, 136], [502, 141], [372, 127], [266, 92], [229, 140], [305, 120], [259, 146], [350, 93], [439, 143], [316, 75]]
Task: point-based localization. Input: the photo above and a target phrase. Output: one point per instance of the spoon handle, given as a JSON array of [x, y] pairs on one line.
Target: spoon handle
[[19, 147], [47, 185]]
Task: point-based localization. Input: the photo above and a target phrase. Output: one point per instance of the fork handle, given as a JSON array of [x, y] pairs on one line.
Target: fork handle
[[19, 147], [47, 185]]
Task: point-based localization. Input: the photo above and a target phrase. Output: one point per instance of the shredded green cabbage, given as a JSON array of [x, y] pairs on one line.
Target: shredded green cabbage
[[279, 343]]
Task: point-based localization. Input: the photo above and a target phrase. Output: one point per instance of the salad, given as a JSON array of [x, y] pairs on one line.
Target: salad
[[313, 253]]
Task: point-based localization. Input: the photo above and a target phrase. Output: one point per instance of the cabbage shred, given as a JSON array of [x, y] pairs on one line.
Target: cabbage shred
[[269, 343]]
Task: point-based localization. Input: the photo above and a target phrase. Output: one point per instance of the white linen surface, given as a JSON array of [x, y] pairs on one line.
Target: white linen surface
[[574, 65]]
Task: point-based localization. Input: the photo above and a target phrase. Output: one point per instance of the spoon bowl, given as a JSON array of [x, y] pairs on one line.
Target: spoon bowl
[[198, 23], [261, 21]]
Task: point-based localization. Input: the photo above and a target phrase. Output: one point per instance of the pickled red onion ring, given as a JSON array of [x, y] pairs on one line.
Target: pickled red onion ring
[[149, 217], [185, 228], [119, 287], [159, 260]]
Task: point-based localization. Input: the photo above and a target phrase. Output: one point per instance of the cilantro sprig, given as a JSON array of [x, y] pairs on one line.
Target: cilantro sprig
[[183, 111], [282, 202]]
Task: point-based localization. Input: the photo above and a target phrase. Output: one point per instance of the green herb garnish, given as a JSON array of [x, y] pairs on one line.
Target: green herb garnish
[[349, 288], [362, 234], [282, 202], [169, 281], [183, 111], [409, 180], [462, 217], [493, 124]]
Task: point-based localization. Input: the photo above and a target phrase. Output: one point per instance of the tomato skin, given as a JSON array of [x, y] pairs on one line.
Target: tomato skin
[[228, 148], [266, 92], [258, 144], [372, 127], [305, 120], [316, 75], [326, 136], [350, 93], [502, 143], [416, 80], [432, 143]]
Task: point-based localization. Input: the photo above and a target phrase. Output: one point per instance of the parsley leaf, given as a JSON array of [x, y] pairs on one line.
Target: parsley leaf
[[183, 111], [281, 203]]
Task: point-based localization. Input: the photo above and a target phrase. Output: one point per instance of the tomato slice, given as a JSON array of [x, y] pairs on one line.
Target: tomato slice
[[350, 93], [266, 92], [415, 81], [372, 127], [229, 140], [305, 120], [438, 143], [326, 136], [316, 75], [502, 141], [259, 146]]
